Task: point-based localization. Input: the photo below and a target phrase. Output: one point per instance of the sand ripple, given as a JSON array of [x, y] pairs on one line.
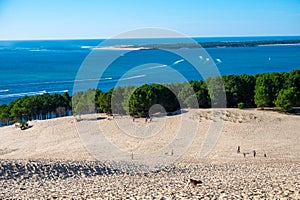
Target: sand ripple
[[91, 180]]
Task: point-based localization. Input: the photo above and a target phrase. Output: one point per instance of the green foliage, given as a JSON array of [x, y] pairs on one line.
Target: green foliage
[[165, 97], [286, 99], [279, 89], [293, 81], [216, 91], [187, 96], [262, 97], [202, 94], [141, 101], [144, 97], [4, 113], [239, 89], [117, 99], [34, 107], [241, 105], [104, 102], [232, 85], [17, 110], [263, 90], [269, 89], [84, 102], [246, 90], [128, 91]]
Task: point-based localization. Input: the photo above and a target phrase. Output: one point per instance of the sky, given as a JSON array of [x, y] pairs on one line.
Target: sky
[[74, 19]]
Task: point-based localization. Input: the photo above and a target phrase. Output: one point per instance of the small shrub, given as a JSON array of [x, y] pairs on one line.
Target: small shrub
[[241, 105], [24, 125]]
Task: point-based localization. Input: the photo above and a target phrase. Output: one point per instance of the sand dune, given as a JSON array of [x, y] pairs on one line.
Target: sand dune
[[270, 133], [50, 159]]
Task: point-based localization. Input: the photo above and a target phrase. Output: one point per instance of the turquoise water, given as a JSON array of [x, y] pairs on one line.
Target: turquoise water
[[36, 67]]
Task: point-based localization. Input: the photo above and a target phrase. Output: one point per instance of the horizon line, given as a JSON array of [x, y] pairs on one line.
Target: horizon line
[[92, 38]]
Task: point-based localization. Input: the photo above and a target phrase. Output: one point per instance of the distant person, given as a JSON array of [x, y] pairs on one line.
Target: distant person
[[265, 155], [254, 153], [244, 155], [238, 149]]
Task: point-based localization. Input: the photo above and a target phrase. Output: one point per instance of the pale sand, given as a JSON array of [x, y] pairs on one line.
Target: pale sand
[[272, 133], [127, 48], [225, 173], [48, 139]]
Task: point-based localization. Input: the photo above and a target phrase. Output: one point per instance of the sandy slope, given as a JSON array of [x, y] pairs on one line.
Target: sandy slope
[[48, 139], [225, 173], [270, 133]]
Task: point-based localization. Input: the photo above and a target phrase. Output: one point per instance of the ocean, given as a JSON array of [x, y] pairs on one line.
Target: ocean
[[37, 67]]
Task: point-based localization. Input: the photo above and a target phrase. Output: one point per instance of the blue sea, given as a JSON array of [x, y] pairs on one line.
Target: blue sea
[[37, 67]]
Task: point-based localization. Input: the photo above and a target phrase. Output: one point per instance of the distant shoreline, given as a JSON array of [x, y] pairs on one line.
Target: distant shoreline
[[150, 44], [166, 46], [207, 45]]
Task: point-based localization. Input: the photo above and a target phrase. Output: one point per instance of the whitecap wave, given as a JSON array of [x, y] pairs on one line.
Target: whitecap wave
[[58, 91], [87, 47], [158, 66], [178, 61], [132, 77], [58, 82], [22, 94], [38, 50], [7, 90]]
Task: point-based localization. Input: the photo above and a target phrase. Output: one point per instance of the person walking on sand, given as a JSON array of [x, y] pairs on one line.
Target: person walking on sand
[[254, 153], [238, 149], [244, 155]]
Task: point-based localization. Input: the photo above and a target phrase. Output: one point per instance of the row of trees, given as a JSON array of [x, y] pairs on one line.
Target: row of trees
[[263, 90], [43, 106], [138, 101], [278, 89], [281, 90]]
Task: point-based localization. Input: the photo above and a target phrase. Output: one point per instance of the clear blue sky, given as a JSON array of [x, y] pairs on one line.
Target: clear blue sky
[[53, 19]]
